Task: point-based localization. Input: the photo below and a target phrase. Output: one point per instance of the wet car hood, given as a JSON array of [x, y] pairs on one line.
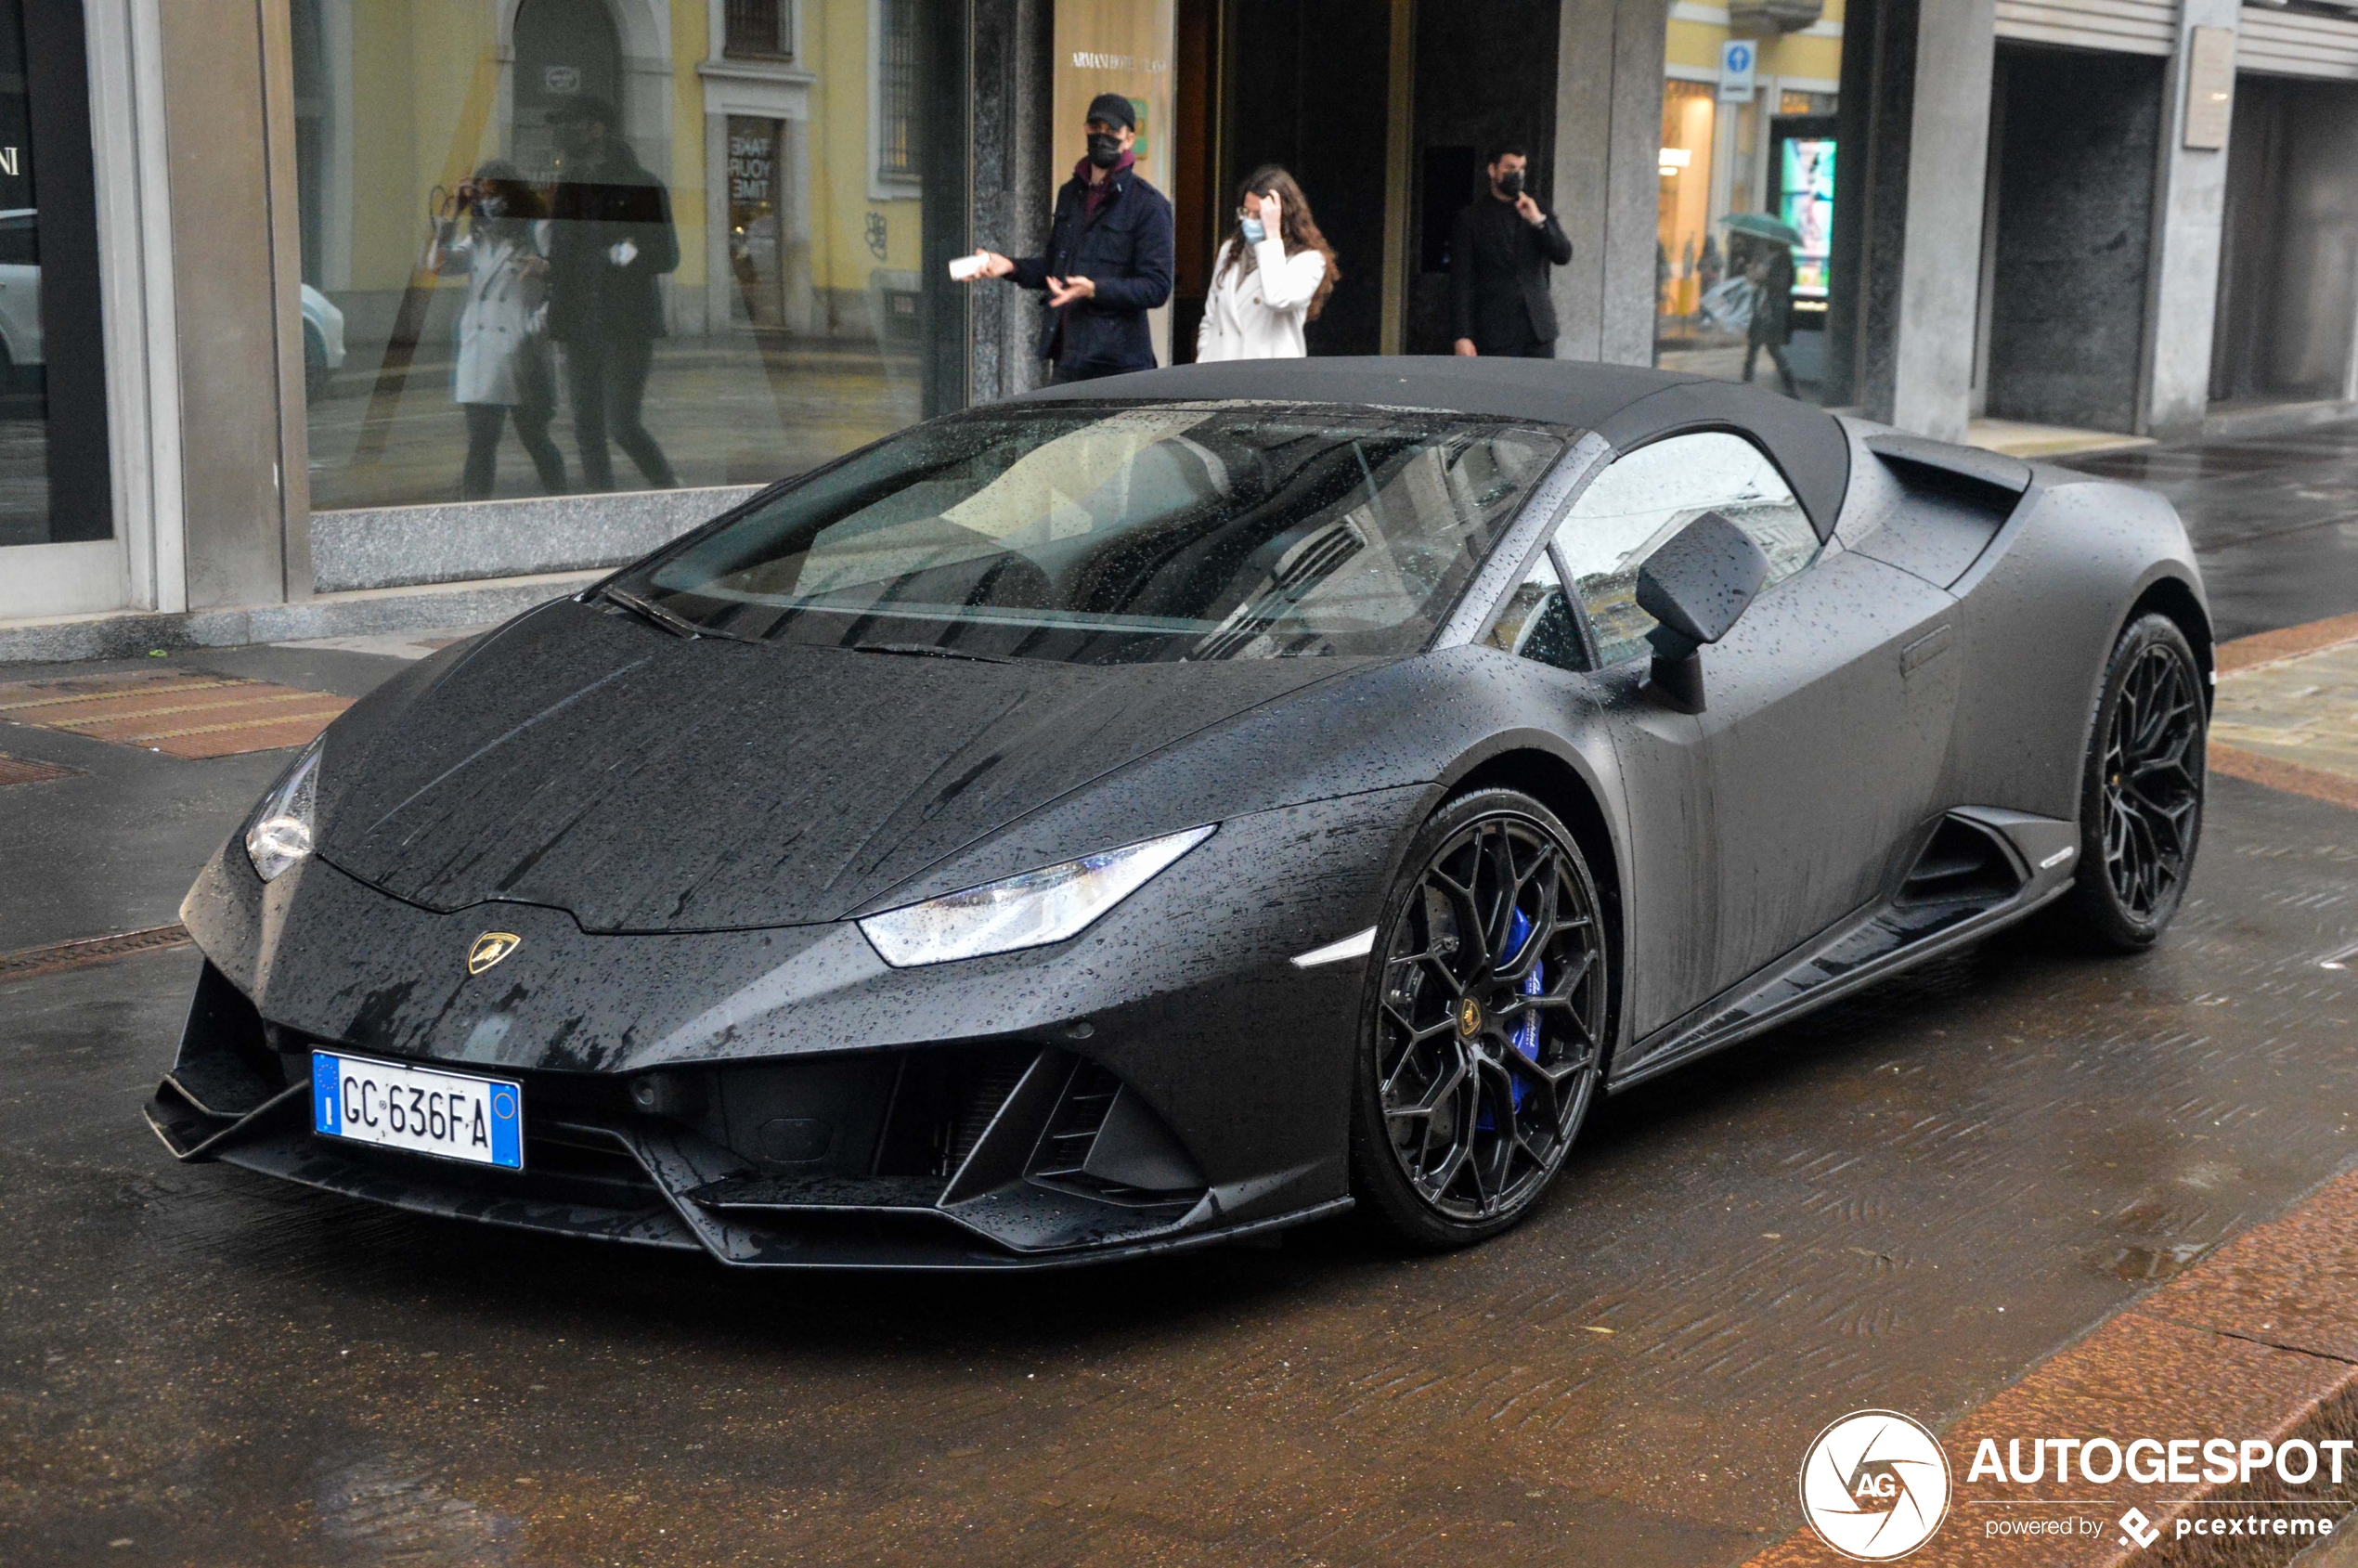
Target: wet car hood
[[588, 761]]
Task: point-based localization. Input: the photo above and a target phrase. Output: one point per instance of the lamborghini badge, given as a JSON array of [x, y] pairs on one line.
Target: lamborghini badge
[[489, 948]]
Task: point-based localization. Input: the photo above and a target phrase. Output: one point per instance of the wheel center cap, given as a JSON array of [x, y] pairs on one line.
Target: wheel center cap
[[1468, 1017]]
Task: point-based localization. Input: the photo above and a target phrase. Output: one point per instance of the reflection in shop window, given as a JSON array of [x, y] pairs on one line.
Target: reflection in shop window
[[760, 30], [1744, 226], [690, 268], [55, 485], [897, 89]]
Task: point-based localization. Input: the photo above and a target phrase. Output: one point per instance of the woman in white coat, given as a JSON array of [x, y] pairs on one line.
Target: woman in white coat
[[1273, 275], [503, 365]]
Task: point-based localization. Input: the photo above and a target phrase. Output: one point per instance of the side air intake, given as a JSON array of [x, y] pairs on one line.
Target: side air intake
[[1966, 863]]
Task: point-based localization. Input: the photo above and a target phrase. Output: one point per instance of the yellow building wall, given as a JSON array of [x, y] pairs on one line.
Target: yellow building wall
[[1695, 44], [835, 40]]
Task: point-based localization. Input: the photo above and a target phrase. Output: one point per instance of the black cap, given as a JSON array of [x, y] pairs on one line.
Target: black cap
[[1114, 109], [582, 110]]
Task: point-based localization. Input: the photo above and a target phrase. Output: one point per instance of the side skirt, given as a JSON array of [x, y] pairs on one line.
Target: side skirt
[[1872, 945]]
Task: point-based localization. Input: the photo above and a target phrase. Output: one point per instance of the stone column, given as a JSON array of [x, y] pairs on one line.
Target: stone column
[[1013, 42], [1609, 59], [2181, 297], [1931, 388], [1916, 83]]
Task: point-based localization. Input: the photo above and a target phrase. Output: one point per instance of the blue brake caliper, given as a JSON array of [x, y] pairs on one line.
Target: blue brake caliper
[[1527, 1037]]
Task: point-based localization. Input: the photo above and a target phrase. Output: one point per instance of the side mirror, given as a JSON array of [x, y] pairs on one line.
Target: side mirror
[[1694, 587]]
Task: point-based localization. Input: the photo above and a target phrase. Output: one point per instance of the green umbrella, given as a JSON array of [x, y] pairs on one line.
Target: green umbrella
[[1763, 227]]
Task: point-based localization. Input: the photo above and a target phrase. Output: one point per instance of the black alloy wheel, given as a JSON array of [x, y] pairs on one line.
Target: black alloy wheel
[[2141, 793], [1485, 1021]]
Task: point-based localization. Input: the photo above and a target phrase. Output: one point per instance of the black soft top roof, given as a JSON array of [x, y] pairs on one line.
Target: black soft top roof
[[1627, 405]]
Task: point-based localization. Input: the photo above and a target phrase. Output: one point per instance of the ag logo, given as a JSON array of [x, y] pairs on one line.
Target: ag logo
[[489, 948], [1874, 1486]]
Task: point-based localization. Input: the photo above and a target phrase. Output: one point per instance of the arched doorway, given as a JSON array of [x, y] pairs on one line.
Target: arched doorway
[[566, 49]]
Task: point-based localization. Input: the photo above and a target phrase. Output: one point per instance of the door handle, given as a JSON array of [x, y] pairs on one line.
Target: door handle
[[1925, 649]]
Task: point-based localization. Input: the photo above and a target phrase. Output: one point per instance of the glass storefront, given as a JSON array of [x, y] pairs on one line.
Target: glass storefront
[[1744, 225], [55, 484], [595, 245]]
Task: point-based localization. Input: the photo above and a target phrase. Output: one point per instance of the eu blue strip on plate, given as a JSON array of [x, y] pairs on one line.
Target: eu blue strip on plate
[[327, 1104]]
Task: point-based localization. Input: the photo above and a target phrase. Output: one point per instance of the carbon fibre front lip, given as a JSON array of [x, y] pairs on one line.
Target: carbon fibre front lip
[[274, 1141]]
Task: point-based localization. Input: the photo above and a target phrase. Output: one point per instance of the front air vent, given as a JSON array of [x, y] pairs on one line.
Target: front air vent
[[1104, 1141], [1966, 863], [1073, 1132]]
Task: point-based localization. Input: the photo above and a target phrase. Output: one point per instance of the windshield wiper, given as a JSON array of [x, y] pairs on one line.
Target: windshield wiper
[[675, 624], [929, 651]]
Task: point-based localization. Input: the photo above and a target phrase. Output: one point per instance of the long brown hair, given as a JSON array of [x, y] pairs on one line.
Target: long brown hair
[[1297, 230]]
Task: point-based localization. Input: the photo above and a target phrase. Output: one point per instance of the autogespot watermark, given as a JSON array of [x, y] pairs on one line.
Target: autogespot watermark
[[1876, 1484]]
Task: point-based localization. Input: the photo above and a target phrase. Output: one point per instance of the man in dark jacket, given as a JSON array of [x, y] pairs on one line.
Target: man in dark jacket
[[1110, 256], [611, 238], [1499, 253]]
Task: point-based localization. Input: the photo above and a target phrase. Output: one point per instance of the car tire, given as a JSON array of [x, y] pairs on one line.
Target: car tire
[[1484, 1023], [2140, 792]]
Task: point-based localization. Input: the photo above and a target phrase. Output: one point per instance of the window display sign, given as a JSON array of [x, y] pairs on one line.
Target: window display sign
[[1806, 201]]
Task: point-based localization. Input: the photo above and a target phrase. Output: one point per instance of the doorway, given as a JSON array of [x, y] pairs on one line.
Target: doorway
[[1307, 91], [2069, 219], [1485, 79], [566, 51], [2288, 289]]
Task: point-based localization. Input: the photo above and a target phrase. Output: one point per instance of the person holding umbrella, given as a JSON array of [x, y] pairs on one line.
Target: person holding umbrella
[[1770, 271]]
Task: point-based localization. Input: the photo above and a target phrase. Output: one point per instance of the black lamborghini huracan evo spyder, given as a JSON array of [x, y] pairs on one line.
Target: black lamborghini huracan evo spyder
[[1155, 811]]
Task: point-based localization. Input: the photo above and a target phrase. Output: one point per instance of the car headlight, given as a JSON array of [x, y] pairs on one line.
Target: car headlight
[[1032, 910], [279, 835]]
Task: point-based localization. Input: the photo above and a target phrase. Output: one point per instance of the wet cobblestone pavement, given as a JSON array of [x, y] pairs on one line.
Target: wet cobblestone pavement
[[1902, 1203]]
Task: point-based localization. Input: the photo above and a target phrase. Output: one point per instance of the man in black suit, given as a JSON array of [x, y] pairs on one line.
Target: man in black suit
[[1110, 257], [1499, 253]]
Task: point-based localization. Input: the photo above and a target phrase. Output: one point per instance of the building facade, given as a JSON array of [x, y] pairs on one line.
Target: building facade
[[344, 315]]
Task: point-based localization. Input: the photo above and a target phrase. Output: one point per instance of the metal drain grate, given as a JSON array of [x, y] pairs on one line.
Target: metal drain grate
[[20, 770], [48, 960]]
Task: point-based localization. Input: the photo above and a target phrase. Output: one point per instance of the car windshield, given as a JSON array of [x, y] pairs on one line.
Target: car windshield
[[1112, 533]]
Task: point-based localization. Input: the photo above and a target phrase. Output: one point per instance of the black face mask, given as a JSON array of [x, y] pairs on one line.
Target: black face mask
[[1105, 150], [1511, 182]]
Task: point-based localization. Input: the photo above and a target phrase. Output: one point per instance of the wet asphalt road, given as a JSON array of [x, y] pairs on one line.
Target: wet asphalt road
[[2274, 518], [1902, 1203]]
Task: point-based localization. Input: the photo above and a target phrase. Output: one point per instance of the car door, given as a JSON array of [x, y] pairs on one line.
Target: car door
[[1816, 754]]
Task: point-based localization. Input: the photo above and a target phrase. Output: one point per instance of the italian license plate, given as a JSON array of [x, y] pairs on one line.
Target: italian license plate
[[418, 1108]]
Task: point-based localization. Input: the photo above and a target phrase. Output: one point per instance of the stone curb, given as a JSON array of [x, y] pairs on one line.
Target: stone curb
[[120, 636], [2291, 777], [2260, 1338], [2291, 643]]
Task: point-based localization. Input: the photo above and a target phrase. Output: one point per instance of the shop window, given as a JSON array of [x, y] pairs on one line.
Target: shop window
[[561, 263], [55, 484], [759, 30], [1744, 228]]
